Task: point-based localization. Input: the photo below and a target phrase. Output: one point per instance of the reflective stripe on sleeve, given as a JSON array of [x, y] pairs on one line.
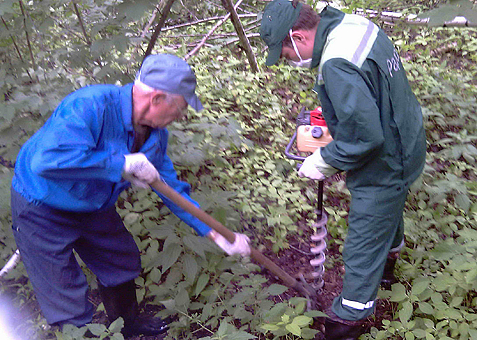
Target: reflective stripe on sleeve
[[357, 305]]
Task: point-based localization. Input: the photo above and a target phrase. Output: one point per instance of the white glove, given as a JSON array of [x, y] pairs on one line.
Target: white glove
[[139, 171], [315, 167], [240, 246]]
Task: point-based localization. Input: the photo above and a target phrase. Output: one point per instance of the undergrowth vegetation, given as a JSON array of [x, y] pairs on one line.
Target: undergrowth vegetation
[[232, 153]]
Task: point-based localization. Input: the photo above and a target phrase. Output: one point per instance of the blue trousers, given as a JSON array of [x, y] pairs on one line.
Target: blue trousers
[[47, 237], [375, 227]]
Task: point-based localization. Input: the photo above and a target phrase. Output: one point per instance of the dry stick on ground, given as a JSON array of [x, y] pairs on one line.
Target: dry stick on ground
[[167, 28], [162, 20], [204, 39], [412, 19], [241, 34], [252, 35]]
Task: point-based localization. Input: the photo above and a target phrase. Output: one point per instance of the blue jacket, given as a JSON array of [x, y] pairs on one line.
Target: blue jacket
[[75, 161]]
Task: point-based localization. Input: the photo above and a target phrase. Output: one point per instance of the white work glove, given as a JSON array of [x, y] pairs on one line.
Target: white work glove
[[315, 167], [139, 171], [240, 246]]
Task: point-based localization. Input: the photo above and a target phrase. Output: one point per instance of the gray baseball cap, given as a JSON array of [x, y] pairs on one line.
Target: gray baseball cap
[[169, 73]]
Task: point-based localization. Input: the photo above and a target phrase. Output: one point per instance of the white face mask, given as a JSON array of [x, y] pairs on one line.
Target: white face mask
[[302, 63]]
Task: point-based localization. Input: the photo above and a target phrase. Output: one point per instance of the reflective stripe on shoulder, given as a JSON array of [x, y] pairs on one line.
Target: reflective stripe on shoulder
[[357, 305], [352, 40]]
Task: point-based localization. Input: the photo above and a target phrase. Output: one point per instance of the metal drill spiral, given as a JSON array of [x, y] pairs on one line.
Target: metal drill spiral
[[319, 250]]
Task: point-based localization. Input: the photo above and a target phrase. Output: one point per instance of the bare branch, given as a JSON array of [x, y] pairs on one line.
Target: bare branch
[[204, 39], [150, 22], [394, 17], [162, 20], [168, 28], [251, 35], [13, 40], [16, 47], [78, 14], [188, 11], [11, 264]]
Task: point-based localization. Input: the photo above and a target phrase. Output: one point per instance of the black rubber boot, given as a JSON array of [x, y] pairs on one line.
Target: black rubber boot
[[339, 329], [388, 278], [121, 301], [335, 330]]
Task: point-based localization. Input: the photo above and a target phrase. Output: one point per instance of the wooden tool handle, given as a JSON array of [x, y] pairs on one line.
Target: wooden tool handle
[[175, 197]]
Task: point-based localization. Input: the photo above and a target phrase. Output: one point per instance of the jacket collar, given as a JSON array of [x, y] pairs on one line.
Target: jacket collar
[[330, 18]]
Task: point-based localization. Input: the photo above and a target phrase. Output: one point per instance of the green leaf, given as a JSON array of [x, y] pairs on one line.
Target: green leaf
[[426, 308], [419, 333], [190, 267], [155, 275], [116, 336], [308, 333], [169, 304], [294, 329], [171, 254], [302, 320], [6, 6], [316, 314], [116, 325], [269, 327], [276, 289], [195, 244], [96, 329], [223, 328], [201, 283], [419, 286], [406, 312], [398, 292], [463, 202], [182, 298], [240, 335]]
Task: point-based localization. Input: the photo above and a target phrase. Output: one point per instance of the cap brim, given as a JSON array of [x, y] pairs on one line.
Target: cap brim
[[194, 102], [274, 55]]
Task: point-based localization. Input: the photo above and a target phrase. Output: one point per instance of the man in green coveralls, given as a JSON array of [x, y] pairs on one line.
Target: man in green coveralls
[[378, 139]]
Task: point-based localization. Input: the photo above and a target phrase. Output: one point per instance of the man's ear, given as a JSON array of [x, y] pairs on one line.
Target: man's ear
[[157, 97], [298, 36]]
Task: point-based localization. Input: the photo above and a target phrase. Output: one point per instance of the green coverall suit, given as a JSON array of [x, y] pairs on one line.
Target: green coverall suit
[[379, 140]]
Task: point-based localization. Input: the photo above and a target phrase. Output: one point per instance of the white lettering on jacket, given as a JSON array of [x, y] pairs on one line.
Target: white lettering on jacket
[[393, 63]]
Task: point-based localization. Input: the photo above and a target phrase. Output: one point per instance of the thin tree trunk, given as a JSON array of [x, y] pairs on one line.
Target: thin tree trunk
[[78, 14], [241, 34], [16, 47], [26, 34], [13, 40], [162, 20]]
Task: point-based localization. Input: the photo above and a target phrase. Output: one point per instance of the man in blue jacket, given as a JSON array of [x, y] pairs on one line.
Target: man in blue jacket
[[378, 139], [68, 176]]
